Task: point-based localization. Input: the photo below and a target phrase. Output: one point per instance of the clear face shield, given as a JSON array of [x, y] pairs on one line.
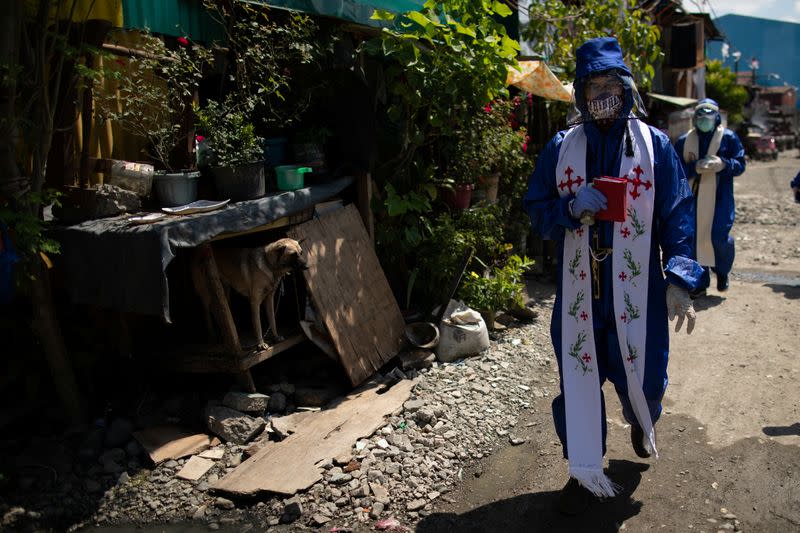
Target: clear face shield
[[705, 119], [604, 97]]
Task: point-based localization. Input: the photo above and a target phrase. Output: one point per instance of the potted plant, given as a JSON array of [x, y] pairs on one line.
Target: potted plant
[[497, 290], [235, 152], [462, 162], [309, 147], [152, 100]]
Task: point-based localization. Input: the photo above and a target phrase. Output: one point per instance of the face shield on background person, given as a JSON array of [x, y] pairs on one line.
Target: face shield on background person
[[605, 96], [706, 118]]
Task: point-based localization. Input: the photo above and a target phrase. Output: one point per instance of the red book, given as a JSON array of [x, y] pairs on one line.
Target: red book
[[615, 191]]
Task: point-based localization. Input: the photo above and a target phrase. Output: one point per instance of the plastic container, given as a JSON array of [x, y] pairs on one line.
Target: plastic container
[[291, 177], [176, 189], [136, 177]]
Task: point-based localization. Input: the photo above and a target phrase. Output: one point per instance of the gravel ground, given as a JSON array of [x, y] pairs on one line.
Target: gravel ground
[[457, 415]]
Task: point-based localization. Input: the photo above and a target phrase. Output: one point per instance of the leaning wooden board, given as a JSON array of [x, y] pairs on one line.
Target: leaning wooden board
[[350, 291], [290, 465]]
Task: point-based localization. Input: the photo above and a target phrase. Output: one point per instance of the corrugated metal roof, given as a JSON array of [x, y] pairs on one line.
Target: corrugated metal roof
[[679, 101], [172, 17]]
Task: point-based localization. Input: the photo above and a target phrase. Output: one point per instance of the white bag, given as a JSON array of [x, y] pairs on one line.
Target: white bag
[[462, 332]]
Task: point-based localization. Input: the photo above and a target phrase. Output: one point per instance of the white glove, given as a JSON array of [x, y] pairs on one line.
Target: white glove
[[679, 304], [711, 162]]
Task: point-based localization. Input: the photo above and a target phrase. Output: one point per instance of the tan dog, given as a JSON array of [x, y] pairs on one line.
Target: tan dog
[[253, 273]]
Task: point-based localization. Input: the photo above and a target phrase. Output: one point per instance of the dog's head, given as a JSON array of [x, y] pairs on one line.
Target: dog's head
[[285, 255]]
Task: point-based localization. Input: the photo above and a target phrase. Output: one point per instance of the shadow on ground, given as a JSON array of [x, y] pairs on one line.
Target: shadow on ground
[[708, 301], [535, 511], [792, 292]]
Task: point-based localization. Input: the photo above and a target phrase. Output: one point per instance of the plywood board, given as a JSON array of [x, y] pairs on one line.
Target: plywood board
[[170, 442], [350, 291], [290, 465]]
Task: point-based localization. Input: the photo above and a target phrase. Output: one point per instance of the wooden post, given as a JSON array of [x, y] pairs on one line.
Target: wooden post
[[222, 313]]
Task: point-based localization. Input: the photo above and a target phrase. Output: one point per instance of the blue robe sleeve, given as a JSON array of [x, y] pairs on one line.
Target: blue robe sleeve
[[796, 181], [688, 168], [731, 152], [549, 213], [674, 216]]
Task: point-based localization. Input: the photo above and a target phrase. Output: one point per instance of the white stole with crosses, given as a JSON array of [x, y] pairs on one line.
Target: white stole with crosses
[[705, 193], [630, 261]]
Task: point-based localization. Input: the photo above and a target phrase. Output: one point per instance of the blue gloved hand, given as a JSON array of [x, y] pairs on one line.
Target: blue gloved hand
[[588, 199]]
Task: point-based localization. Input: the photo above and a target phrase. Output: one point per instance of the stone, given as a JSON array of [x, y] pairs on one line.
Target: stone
[[246, 402], [224, 503], [319, 519], [280, 428], [233, 426], [412, 406], [111, 200], [292, 510], [416, 505], [277, 403], [379, 492], [377, 509]]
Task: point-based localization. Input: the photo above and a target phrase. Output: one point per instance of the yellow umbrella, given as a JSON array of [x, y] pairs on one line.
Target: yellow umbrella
[[534, 77]]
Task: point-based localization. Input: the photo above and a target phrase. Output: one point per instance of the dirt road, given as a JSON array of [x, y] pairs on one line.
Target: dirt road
[[729, 439]]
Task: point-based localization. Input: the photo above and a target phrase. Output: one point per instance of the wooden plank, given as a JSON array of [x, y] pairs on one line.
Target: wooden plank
[[262, 355], [170, 442], [290, 465], [350, 291]]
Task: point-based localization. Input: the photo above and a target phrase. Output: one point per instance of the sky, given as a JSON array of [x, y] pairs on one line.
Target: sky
[[786, 10]]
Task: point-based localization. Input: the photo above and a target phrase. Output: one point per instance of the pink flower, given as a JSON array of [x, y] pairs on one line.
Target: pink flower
[[183, 41], [199, 138], [525, 147]]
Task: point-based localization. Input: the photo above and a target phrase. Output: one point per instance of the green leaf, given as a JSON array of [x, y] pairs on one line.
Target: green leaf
[[419, 18], [501, 9], [382, 14]]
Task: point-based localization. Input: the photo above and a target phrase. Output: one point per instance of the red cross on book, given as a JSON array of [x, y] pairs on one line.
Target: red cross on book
[[614, 190]]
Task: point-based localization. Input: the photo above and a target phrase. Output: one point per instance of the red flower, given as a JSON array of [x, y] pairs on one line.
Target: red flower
[[488, 107], [120, 61], [525, 147], [183, 41], [199, 138]]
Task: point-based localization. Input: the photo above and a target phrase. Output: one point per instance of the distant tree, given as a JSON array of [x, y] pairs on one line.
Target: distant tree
[[721, 86]]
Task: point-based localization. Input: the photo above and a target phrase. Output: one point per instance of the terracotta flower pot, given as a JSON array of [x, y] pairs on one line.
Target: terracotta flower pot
[[458, 198]]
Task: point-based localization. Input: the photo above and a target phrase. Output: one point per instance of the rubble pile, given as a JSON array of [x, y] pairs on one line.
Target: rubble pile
[[458, 413]]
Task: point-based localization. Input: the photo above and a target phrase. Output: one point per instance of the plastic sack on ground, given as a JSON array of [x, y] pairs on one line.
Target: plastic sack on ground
[[462, 332]]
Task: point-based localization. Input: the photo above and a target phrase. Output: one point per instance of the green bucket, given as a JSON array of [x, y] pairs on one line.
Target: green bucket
[[291, 177]]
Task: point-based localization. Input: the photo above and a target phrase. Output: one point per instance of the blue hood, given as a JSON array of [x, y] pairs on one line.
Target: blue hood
[[597, 55]]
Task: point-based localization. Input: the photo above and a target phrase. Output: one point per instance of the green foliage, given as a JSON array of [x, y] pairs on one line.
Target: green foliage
[[153, 97], [500, 289], [448, 59], [721, 86], [264, 46], [27, 227], [558, 28], [231, 137]]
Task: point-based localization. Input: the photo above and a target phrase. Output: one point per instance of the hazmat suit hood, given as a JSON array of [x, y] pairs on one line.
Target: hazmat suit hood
[[596, 57], [705, 110]]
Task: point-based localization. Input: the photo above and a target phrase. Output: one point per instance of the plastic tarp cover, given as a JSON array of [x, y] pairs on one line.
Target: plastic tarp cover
[[536, 78]]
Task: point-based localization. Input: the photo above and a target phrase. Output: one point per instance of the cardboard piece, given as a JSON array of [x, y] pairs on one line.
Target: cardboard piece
[[195, 468], [288, 466], [171, 442]]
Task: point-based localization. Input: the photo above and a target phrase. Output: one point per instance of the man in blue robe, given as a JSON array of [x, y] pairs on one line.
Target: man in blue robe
[[601, 79], [712, 156]]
